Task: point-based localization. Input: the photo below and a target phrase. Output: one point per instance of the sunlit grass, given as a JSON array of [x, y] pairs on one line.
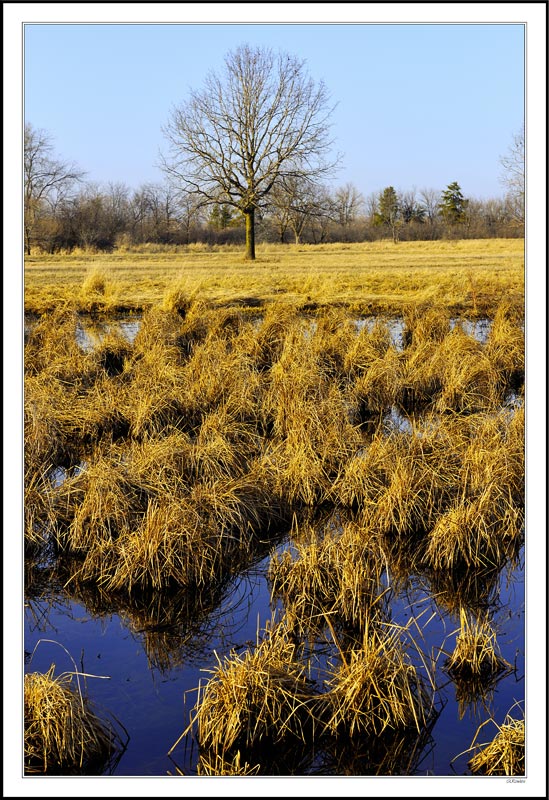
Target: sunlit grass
[[62, 732], [505, 754], [471, 275]]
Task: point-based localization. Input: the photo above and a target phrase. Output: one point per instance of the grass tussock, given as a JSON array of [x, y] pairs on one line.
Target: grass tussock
[[217, 765], [505, 754], [257, 701], [483, 524], [99, 291], [63, 735], [476, 657], [376, 688], [338, 577]]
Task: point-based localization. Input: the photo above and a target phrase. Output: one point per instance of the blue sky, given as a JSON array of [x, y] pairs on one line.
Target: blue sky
[[418, 105]]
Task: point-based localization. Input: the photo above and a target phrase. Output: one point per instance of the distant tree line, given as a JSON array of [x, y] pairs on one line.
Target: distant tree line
[[63, 211]]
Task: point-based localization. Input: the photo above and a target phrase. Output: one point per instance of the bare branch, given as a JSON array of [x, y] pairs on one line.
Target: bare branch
[[261, 122]]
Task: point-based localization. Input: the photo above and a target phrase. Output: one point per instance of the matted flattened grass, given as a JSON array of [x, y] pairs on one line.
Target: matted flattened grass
[[378, 277]]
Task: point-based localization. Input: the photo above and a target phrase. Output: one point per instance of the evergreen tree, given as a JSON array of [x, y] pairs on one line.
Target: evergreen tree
[[221, 217], [453, 205], [389, 212]]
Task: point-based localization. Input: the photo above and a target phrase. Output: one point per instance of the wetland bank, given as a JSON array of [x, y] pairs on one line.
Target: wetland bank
[[292, 541]]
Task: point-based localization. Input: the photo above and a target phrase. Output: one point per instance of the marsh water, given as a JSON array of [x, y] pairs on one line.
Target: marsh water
[[151, 684], [149, 659]]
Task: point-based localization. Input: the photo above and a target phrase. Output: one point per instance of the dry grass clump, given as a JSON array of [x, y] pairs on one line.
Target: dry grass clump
[[505, 347], [338, 577], [217, 765], [112, 354], [219, 375], [266, 346], [479, 533], [467, 377], [483, 523], [178, 298], [376, 688], [62, 733], [224, 445], [97, 505], [453, 374], [196, 324], [52, 341], [504, 755], [46, 437], [421, 382], [159, 329], [333, 334], [362, 478], [162, 464], [99, 290], [167, 548], [39, 512], [189, 538], [379, 386], [259, 703], [307, 418], [447, 369], [401, 480], [152, 392], [411, 493], [475, 657], [369, 345], [305, 461], [425, 323]]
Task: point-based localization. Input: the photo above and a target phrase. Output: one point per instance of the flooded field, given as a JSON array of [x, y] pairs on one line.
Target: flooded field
[[154, 673], [317, 521]]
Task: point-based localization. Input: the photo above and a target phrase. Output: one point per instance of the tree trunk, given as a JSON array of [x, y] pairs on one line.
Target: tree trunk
[[249, 215]]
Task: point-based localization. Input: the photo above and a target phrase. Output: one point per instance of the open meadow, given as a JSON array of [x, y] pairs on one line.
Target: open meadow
[[284, 506], [465, 276]]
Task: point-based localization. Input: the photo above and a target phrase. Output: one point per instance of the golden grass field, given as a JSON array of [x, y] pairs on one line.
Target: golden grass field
[[157, 470], [465, 276]]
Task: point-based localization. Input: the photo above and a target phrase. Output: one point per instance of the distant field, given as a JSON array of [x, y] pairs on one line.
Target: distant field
[[470, 276]]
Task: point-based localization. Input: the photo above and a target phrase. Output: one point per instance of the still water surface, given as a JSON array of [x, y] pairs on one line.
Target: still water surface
[[153, 704]]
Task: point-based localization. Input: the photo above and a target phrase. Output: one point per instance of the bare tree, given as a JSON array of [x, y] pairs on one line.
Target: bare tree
[[430, 199], [189, 214], [513, 177], [371, 205], [296, 202], [348, 202], [161, 206], [46, 179], [412, 210], [261, 121]]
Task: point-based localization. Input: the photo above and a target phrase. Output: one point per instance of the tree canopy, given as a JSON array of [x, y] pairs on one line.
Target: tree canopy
[[259, 123]]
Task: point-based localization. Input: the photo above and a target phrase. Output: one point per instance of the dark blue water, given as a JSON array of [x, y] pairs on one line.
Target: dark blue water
[[153, 701]]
